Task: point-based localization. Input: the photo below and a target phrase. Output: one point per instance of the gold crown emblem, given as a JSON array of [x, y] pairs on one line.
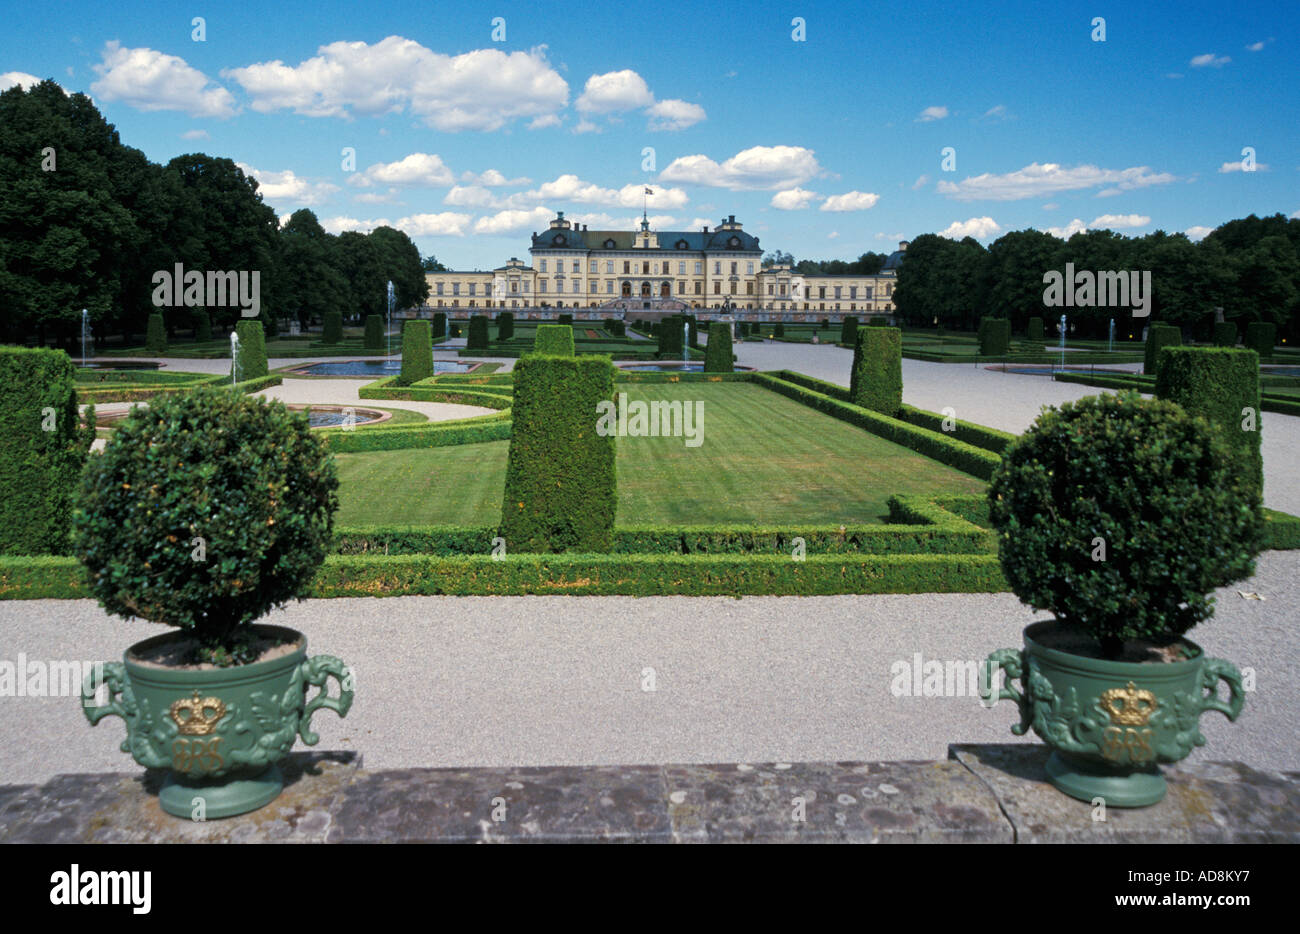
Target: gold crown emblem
[[197, 716], [1128, 706]]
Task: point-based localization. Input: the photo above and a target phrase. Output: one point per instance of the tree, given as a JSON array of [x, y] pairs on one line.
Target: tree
[[777, 258], [314, 284], [431, 264], [401, 265], [1017, 262]]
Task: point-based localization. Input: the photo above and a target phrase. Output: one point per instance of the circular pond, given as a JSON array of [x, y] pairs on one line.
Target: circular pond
[[376, 368]]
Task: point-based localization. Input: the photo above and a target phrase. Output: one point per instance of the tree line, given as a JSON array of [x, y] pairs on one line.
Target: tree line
[[86, 222], [1249, 267], [868, 264]]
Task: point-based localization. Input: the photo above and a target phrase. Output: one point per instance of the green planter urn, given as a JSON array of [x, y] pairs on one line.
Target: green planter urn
[[220, 731], [1110, 723]]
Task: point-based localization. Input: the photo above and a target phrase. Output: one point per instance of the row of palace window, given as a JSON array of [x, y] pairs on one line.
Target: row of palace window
[[772, 288], [807, 306], [665, 265]]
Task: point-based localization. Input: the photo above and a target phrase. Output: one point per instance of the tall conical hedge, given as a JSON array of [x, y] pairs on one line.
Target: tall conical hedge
[[332, 327], [252, 349], [718, 355], [155, 339], [374, 332], [478, 333], [505, 326], [417, 352], [876, 382]]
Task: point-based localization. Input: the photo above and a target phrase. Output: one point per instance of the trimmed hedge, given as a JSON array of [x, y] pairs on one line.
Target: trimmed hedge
[[417, 352], [1034, 330], [432, 389], [671, 341], [252, 350], [560, 492], [994, 336], [876, 321], [1261, 336], [43, 448], [1281, 530], [718, 356], [778, 330], [440, 324], [981, 436], [565, 319], [1218, 383], [374, 332], [332, 327], [876, 381], [616, 327], [155, 339], [1225, 334], [478, 333], [1159, 336], [553, 339], [964, 457], [476, 430], [849, 330], [505, 326], [202, 325]]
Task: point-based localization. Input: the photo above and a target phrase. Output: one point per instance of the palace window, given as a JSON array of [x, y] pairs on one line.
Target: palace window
[[665, 267], [541, 287], [769, 288], [609, 286], [749, 269], [543, 269], [717, 288], [717, 268], [821, 291], [609, 267], [681, 268], [733, 287], [526, 284], [439, 288], [749, 288], [627, 267], [577, 266], [473, 288], [699, 287], [593, 266], [734, 267], [577, 286], [699, 269], [837, 291], [645, 268], [853, 292]]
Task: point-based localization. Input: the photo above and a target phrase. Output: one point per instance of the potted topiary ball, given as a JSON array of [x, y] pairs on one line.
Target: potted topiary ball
[[1120, 515], [205, 511]]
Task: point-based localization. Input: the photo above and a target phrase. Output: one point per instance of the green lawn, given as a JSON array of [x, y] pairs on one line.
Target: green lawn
[[764, 459]]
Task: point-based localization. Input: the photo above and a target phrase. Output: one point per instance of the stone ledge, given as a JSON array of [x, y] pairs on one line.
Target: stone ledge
[[980, 794]]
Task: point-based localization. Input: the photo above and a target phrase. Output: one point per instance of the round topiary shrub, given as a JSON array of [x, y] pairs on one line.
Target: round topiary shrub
[[1120, 515], [155, 338], [332, 327], [205, 511]]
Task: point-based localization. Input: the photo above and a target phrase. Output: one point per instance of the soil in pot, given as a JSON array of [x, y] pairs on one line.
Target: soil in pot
[[1069, 639], [177, 653]]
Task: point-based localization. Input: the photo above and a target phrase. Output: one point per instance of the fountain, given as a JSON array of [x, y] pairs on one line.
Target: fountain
[[686, 340], [85, 333], [1110, 341], [388, 326], [234, 358], [1062, 341]]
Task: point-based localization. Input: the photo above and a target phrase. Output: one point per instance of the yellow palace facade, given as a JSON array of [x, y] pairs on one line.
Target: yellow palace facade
[[575, 268]]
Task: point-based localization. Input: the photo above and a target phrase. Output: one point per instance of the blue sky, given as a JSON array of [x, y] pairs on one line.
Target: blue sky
[[825, 148]]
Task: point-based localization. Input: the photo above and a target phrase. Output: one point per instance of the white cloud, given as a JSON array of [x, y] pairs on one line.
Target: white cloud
[[977, 227], [1294, 214], [492, 179], [542, 122], [1104, 222], [997, 114], [793, 199], [931, 114], [675, 115], [376, 197], [920, 182], [613, 92], [419, 169], [470, 196], [510, 221], [1036, 180], [1069, 230], [1209, 59], [586, 126], [1259, 46], [698, 223], [1051, 207], [1238, 167], [446, 224], [1199, 232], [834, 234], [20, 78], [149, 80], [478, 90], [337, 225], [756, 168], [287, 188], [850, 201], [572, 189], [1174, 74], [195, 134]]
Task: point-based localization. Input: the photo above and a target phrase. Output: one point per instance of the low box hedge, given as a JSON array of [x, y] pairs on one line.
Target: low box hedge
[[425, 435]]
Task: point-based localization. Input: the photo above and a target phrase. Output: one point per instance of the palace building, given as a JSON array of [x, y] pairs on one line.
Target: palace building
[[574, 267]]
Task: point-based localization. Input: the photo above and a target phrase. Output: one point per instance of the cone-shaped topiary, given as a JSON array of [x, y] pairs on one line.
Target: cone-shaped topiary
[[994, 337], [478, 333], [1034, 330], [252, 349], [206, 510], [42, 449], [554, 339], [876, 381], [332, 329], [155, 339], [718, 357], [374, 332], [560, 492], [671, 339], [1120, 515], [202, 325], [505, 326], [1159, 336], [440, 324], [849, 330], [417, 353]]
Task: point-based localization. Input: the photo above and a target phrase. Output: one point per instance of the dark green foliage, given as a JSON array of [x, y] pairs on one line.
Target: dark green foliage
[[252, 349], [505, 326], [155, 340], [877, 321], [779, 330], [849, 331], [202, 325], [439, 324], [616, 327], [560, 486], [417, 352], [1160, 490], [995, 337], [1261, 336], [693, 324], [374, 332], [434, 434], [455, 329], [1225, 334], [245, 476], [1221, 384], [1159, 336], [478, 333], [718, 357], [555, 339], [1034, 330], [42, 450], [876, 381], [332, 331], [670, 337], [565, 319], [826, 323]]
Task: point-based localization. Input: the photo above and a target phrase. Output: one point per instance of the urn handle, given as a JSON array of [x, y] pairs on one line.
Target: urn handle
[[317, 671], [111, 677], [1214, 671], [1012, 661]]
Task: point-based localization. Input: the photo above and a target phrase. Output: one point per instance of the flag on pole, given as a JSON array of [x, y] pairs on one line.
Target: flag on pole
[[649, 191]]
